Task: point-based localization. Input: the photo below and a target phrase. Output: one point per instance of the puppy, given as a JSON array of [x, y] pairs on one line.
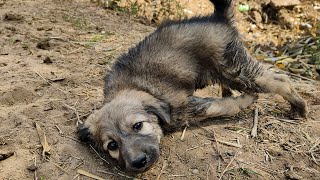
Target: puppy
[[150, 88]]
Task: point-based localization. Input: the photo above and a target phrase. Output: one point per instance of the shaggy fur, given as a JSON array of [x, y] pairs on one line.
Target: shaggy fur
[[152, 85]]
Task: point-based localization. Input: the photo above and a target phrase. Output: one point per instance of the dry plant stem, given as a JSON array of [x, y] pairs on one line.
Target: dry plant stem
[[254, 130], [43, 140], [57, 166], [85, 173], [301, 77], [35, 165], [162, 169], [218, 151], [99, 155], [115, 174], [76, 112], [47, 81], [288, 121], [60, 132], [227, 143], [183, 133], [224, 171]]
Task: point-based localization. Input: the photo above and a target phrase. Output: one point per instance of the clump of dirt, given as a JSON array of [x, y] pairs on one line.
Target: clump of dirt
[[59, 86], [159, 10]]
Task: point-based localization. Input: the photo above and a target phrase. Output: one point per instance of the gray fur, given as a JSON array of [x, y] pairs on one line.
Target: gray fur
[[154, 83]]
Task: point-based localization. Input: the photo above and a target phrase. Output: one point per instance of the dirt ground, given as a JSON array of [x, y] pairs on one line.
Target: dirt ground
[[53, 56]]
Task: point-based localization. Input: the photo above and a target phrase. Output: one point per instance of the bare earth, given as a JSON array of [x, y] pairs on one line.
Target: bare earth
[[53, 56]]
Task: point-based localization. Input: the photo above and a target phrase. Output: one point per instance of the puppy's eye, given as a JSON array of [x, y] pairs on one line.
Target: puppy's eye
[[137, 126], [112, 146]]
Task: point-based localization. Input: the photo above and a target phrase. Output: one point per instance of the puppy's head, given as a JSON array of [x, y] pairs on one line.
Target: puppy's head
[[128, 128]]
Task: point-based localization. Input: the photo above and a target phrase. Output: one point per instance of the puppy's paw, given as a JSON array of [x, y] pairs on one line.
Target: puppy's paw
[[299, 110], [247, 100]]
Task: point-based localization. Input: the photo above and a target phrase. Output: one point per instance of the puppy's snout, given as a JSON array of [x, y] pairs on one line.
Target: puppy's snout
[[140, 161]]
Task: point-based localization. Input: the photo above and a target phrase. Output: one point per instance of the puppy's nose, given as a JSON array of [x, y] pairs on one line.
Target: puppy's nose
[[140, 161]]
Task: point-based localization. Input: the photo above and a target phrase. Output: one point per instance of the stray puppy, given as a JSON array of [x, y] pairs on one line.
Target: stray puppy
[[151, 87]]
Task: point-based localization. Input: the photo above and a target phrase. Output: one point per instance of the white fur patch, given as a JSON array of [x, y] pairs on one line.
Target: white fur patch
[[114, 154]]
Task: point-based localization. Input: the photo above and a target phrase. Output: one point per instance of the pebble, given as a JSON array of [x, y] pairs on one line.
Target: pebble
[[47, 60], [195, 171], [32, 167]]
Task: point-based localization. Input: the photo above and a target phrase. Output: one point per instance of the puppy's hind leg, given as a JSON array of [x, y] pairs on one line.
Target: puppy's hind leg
[[204, 108], [272, 82]]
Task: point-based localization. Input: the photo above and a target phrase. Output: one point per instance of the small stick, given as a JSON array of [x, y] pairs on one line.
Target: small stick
[[183, 133], [194, 147], [208, 170], [60, 132], [224, 171], [314, 146], [218, 151], [76, 112], [78, 165], [177, 175], [76, 176], [114, 174], [47, 81], [85, 173], [58, 166], [227, 143], [72, 138], [254, 130], [35, 170], [99, 155], [288, 121], [162, 169]]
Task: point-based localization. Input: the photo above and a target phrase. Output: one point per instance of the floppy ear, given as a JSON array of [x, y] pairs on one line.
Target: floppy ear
[[84, 133], [161, 110], [87, 131]]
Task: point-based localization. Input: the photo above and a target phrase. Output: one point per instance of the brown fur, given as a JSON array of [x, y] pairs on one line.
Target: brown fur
[[151, 87]]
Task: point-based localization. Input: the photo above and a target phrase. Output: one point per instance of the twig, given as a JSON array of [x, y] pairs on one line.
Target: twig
[[85, 173], [57, 166], [162, 169], [76, 176], [287, 121], [60, 132], [72, 138], [99, 155], [314, 146], [183, 133], [208, 170], [254, 130], [192, 148], [115, 174], [78, 165], [43, 140], [35, 170], [224, 171], [76, 112], [47, 81], [227, 143], [178, 175], [296, 75]]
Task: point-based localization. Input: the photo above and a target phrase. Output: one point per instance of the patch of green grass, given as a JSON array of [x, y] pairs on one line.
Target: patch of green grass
[[77, 22], [97, 38]]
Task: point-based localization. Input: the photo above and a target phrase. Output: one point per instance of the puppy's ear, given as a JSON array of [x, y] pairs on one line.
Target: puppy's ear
[[161, 110], [84, 133], [87, 130]]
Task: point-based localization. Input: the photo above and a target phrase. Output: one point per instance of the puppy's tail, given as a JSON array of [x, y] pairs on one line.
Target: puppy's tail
[[223, 9]]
